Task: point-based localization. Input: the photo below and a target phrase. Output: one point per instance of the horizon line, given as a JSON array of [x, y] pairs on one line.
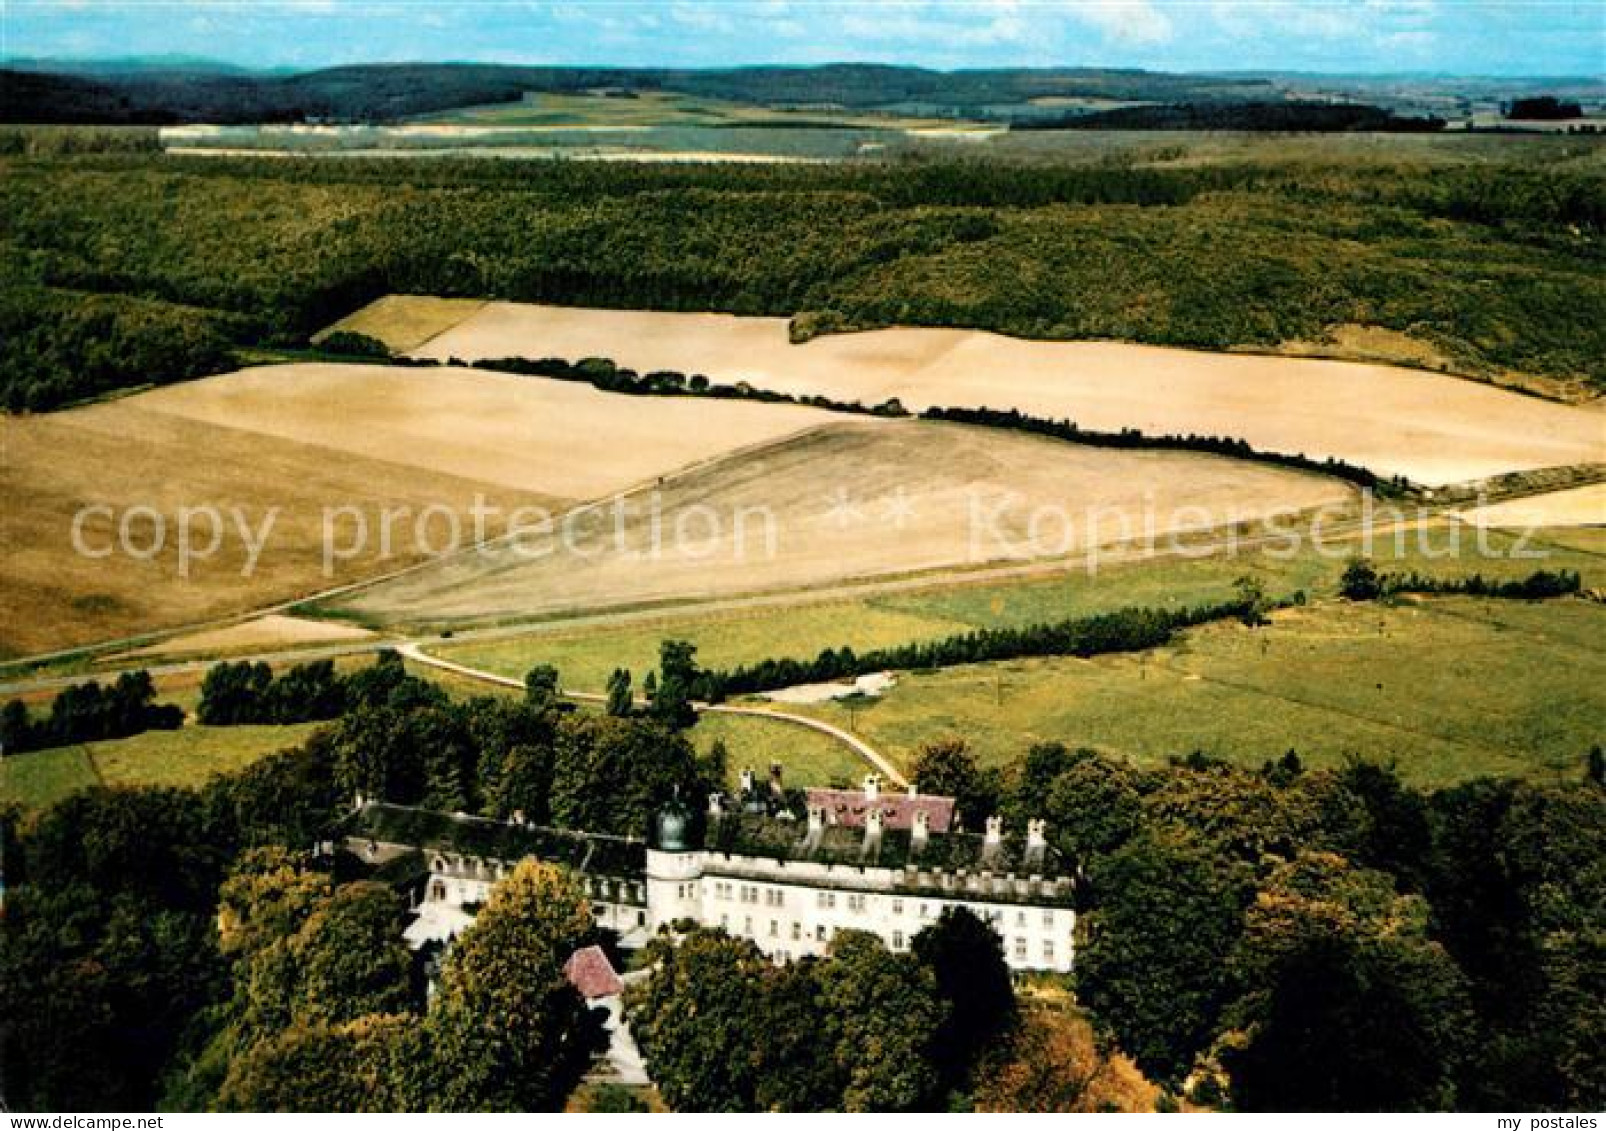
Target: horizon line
[[199, 61]]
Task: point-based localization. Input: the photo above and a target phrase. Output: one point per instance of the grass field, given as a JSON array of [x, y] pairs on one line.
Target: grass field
[[852, 500], [185, 757], [1431, 427], [585, 657], [807, 757], [1447, 689]]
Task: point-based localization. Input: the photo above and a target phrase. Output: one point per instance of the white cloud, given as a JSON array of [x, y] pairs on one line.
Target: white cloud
[[702, 17], [1132, 22], [955, 26]]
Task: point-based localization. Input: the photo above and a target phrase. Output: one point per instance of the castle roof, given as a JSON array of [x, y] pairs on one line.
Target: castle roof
[[850, 807], [483, 838], [960, 864]]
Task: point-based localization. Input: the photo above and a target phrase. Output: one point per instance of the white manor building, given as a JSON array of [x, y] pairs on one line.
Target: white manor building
[[863, 861]]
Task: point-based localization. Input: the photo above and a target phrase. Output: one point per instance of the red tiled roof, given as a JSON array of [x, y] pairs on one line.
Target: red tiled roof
[[590, 972], [848, 807]]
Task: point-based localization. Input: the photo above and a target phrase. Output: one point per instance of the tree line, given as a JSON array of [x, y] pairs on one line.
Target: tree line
[[1254, 116], [608, 376], [1132, 629], [1132, 438], [88, 712], [381, 92], [1362, 581], [235, 694]]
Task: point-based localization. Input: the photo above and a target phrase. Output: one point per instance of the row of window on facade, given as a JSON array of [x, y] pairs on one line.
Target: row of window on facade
[[855, 902], [615, 891], [1020, 946]]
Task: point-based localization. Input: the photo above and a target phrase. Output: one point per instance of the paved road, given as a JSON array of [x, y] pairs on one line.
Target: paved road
[[864, 750]]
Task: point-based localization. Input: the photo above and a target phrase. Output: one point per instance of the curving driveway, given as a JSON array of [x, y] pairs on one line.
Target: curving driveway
[[863, 749]]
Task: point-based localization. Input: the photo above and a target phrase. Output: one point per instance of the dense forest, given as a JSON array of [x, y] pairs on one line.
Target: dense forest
[[1496, 266]]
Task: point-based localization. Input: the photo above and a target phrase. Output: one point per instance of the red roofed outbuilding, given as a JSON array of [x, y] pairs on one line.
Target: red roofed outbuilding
[[590, 972]]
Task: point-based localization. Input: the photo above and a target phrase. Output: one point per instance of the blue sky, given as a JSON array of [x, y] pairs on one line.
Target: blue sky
[[1360, 36]]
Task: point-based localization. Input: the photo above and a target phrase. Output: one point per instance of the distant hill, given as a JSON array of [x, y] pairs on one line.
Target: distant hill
[[129, 65], [165, 90], [169, 91]]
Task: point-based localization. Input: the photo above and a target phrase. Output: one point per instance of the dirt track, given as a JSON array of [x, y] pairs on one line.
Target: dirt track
[[857, 745]]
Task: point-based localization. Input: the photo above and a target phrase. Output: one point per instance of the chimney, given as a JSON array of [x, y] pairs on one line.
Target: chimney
[[775, 779], [914, 791], [921, 831], [993, 842], [811, 840], [872, 833], [872, 787], [518, 817], [747, 780], [716, 804], [1036, 840]]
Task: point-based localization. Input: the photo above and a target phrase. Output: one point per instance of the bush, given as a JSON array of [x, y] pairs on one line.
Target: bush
[[353, 345]]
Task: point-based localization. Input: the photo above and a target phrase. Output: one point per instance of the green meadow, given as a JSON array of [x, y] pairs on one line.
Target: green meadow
[[1445, 688]]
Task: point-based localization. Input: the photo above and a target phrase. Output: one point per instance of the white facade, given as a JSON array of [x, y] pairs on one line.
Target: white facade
[[457, 884], [787, 885], [791, 909]]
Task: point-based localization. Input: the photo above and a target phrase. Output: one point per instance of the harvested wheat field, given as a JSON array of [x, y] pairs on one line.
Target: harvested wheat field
[[553, 437], [1578, 506], [318, 442], [843, 501], [1430, 427], [142, 467], [259, 634]]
